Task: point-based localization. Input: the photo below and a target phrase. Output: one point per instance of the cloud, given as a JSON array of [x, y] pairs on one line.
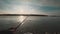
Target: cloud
[[49, 2], [8, 4], [44, 6]]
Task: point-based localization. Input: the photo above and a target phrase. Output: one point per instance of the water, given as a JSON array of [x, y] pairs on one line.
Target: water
[[35, 23]]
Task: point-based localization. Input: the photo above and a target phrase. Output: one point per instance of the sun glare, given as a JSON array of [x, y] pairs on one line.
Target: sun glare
[[21, 18], [23, 9]]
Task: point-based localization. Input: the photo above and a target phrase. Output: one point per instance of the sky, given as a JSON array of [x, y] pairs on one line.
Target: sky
[[30, 7]]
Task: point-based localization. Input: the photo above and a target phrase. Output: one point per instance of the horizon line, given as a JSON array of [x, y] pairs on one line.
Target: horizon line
[[23, 15]]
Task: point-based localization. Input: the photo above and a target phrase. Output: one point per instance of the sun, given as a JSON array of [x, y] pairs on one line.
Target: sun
[[23, 10]]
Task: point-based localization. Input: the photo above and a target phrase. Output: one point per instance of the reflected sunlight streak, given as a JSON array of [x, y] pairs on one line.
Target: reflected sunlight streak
[[21, 18]]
